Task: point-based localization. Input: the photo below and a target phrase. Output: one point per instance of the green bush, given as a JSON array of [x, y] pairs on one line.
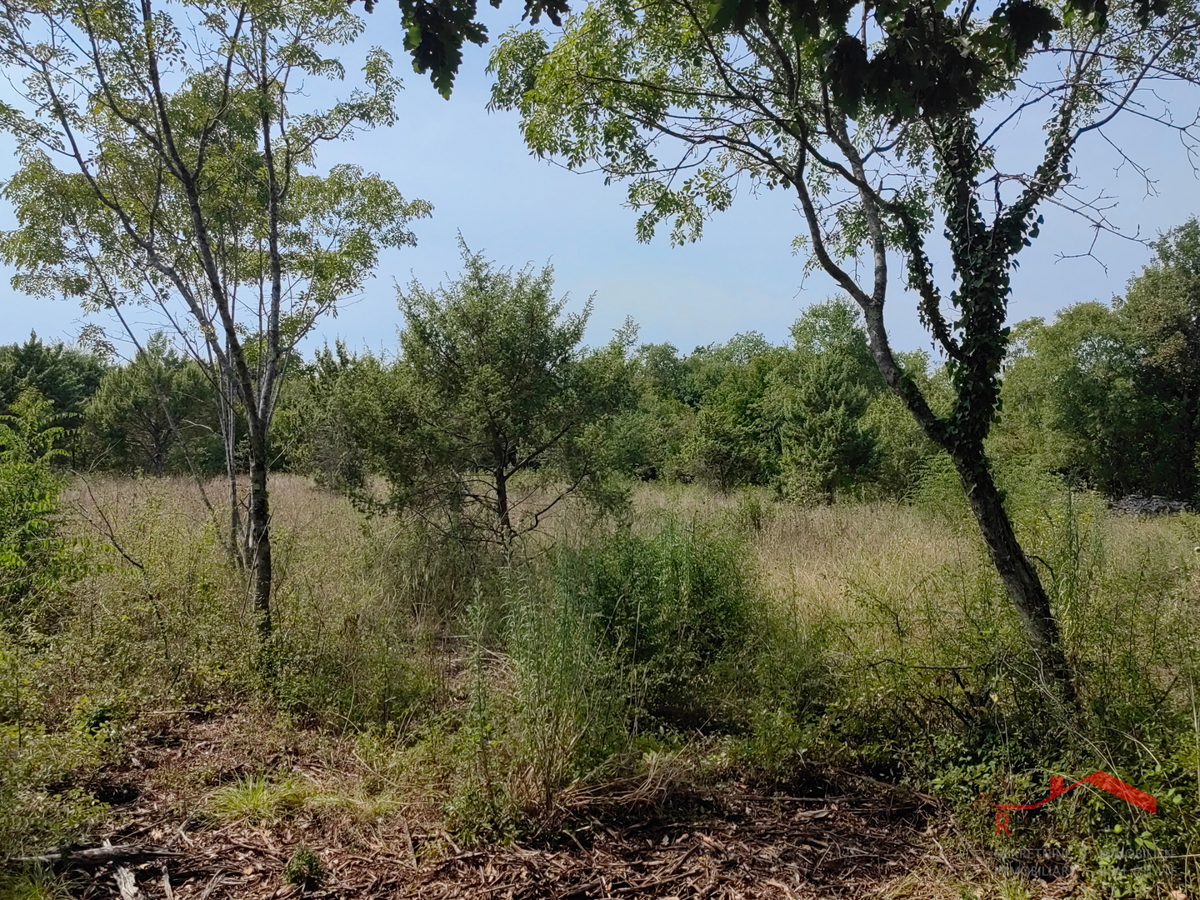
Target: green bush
[[35, 559], [673, 606]]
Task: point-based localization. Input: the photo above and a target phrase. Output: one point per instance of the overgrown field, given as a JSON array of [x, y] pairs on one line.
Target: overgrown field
[[614, 663]]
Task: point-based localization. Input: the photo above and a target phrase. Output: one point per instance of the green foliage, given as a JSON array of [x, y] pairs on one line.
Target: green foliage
[[195, 193], [156, 414], [327, 229], [41, 803], [256, 799], [314, 430], [66, 376], [814, 420], [1161, 309], [727, 444], [304, 868], [35, 558], [570, 699], [434, 33], [816, 402], [902, 448], [356, 678], [674, 606], [490, 407], [1110, 397], [37, 883], [885, 144]]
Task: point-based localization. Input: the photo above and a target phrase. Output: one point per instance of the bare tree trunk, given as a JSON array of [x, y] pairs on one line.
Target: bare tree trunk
[[1020, 579], [227, 416], [259, 534]]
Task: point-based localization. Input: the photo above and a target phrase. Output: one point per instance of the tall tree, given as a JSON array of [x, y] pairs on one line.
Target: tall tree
[[66, 376], [728, 442], [890, 121], [817, 402], [1162, 310], [1073, 404], [1111, 395], [156, 414], [165, 160]]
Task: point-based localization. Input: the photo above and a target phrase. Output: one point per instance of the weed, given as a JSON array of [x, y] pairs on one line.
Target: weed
[[257, 799], [673, 606], [632, 659], [36, 883], [304, 868]]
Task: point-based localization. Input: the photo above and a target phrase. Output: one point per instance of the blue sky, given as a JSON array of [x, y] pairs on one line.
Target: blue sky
[[743, 276]]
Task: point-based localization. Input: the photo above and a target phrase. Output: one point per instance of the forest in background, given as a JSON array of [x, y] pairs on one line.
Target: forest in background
[[1106, 397]]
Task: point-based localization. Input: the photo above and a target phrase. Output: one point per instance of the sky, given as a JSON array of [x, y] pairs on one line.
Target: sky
[[742, 276]]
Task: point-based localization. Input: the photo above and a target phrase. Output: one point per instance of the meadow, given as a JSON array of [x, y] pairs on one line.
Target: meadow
[[424, 699]]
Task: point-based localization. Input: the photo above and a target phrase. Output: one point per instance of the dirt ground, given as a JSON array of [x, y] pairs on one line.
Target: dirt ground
[[741, 842]]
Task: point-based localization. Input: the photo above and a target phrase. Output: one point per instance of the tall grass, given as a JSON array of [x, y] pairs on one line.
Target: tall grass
[[708, 631]]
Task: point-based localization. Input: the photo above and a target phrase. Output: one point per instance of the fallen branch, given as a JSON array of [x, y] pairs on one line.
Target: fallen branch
[[98, 855], [127, 885]]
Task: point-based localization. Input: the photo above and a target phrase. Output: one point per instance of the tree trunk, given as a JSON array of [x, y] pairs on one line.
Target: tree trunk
[[229, 440], [1016, 571], [502, 514], [1020, 579], [259, 533]]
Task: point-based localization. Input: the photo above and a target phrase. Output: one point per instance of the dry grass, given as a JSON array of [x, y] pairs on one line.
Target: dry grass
[[374, 668]]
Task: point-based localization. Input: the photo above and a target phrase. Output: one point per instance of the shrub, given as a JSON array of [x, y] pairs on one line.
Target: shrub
[[674, 608], [34, 557]]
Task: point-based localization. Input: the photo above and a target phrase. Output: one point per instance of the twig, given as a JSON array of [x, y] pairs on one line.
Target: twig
[[213, 885]]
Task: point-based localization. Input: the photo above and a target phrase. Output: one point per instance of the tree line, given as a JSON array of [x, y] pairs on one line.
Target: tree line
[[491, 385]]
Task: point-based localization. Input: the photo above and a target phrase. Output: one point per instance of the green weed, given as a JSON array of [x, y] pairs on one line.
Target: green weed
[[257, 799]]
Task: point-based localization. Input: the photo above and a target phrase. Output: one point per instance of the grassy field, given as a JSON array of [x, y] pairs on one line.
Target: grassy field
[[421, 699]]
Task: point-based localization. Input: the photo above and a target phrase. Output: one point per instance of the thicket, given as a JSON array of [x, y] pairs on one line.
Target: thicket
[[717, 636]]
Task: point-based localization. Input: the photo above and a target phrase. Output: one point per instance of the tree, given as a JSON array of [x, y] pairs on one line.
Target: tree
[[1110, 396], [156, 413], [317, 430], [1073, 406], [729, 441], [491, 391], [817, 401], [65, 376], [1161, 308], [904, 450], [646, 440], [889, 129], [185, 187]]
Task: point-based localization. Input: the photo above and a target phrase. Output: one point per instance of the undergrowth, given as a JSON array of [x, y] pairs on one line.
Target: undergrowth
[[609, 664]]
